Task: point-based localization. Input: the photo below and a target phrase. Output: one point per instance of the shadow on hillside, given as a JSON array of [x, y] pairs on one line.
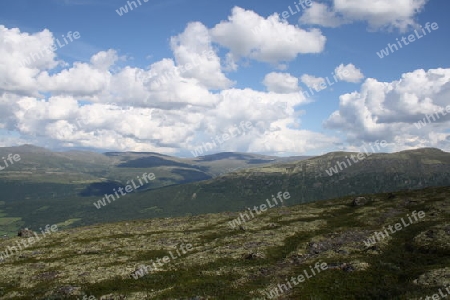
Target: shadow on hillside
[[100, 189], [153, 161], [190, 175]]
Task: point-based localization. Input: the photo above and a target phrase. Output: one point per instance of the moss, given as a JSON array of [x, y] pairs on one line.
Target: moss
[[238, 264]]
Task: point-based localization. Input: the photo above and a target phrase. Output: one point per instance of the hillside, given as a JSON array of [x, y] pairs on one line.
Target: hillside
[[63, 185], [41, 165], [69, 204], [204, 257]]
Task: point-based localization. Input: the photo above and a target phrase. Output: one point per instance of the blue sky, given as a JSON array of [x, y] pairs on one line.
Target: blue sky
[[112, 77]]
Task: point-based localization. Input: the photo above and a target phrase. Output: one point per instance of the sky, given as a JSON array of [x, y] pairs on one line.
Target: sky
[[197, 77]]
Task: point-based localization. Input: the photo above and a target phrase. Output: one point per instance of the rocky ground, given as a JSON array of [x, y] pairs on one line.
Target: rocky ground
[[248, 261]]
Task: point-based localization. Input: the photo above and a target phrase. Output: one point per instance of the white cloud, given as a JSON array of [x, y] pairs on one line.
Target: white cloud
[[74, 81], [169, 107], [313, 82], [321, 14], [282, 140], [388, 110], [22, 57], [349, 73], [196, 58], [378, 14], [270, 40], [282, 83], [104, 59]]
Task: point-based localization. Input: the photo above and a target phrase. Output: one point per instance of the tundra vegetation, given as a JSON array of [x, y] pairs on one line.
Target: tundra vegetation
[[247, 262]]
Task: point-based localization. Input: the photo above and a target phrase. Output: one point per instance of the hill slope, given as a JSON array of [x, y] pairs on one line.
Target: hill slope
[[63, 185], [305, 180], [253, 262]]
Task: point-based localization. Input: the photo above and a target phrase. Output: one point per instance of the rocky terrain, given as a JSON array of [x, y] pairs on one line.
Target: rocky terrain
[[249, 261]]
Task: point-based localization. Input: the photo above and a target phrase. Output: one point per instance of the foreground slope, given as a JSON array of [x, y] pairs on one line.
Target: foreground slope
[[228, 261]]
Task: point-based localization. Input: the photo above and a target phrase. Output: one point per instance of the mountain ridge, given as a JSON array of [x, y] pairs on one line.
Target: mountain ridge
[[26, 200]]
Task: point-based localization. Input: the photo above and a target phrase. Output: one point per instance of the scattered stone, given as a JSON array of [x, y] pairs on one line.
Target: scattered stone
[[338, 266], [435, 278], [360, 266], [335, 241], [47, 275], [315, 248], [25, 233], [360, 201], [342, 251], [69, 290], [374, 248], [252, 256], [113, 297], [435, 239], [409, 202], [299, 259], [348, 267]]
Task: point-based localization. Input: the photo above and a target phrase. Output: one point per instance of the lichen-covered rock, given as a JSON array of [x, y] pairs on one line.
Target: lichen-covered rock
[[435, 278], [435, 239], [25, 233], [113, 297], [360, 201]]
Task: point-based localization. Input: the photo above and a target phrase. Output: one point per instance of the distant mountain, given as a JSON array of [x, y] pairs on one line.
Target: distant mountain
[[41, 165], [67, 192], [43, 178]]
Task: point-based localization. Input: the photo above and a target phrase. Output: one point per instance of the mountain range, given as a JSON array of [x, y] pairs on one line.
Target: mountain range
[[65, 188]]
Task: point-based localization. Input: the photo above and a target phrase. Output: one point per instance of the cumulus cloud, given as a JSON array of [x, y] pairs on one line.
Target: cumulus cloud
[[22, 57], [195, 55], [323, 15], [312, 82], [282, 83], [378, 14], [73, 81], [172, 106], [349, 73], [389, 110], [104, 59], [271, 40], [283, 140]]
